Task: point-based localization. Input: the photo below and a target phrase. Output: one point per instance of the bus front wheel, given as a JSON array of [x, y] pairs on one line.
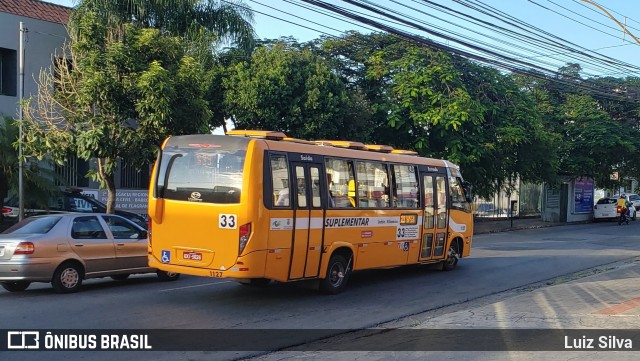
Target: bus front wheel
[[337, 275], [453, 255]]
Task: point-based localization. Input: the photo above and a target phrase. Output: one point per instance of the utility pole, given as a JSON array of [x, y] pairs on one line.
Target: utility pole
[[21, 135]]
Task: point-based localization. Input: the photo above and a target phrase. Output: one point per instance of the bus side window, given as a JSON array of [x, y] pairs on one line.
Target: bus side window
[[342, 185], [406, 186], [280, 181]]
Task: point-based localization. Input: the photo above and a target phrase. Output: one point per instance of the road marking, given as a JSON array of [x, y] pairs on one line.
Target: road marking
[[622, 307], [202, 285]]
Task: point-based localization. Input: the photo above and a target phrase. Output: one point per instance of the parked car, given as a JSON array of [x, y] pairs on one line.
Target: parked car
[[65, 249], [69, 201], [635, 200], [489, 210], [606, 208]]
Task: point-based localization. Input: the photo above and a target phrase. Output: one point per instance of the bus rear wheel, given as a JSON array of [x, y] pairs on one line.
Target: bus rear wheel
[[337, 275], [256, 282]]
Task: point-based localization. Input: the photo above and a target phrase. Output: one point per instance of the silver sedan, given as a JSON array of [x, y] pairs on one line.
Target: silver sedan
[[64, 249]]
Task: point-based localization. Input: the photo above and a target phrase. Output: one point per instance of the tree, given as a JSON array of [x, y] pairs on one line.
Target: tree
[[286, 87], [114, 98], [38, 181], [214, 21], [204, 26], [597, 144]]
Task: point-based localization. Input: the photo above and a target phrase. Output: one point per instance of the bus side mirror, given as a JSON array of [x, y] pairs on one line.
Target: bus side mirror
[[467, 187]]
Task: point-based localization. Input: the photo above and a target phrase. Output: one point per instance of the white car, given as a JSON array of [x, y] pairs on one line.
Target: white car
[[635, 200], [606, 208]]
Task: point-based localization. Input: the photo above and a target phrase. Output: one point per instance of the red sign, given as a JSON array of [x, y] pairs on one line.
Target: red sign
[[366, 234]]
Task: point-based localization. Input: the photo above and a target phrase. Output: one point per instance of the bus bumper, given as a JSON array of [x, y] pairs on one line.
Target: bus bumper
[[251, 265]]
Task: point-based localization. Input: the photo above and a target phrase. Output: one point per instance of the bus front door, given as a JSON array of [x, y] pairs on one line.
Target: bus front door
[[434, 225], [306, 245]]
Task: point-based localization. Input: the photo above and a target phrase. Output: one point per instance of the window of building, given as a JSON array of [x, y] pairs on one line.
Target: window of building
[[134, 177], [73, 173], [8, 72]]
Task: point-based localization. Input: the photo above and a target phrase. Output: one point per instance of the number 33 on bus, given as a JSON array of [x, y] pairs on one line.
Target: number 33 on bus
[[258, 206]]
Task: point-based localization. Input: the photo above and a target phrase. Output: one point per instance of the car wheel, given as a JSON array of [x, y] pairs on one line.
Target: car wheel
[[337, 275], [121, 277], [15, 286], [67, 278], [167, 276]]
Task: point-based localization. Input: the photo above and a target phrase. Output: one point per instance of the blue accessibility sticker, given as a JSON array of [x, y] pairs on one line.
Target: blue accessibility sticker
[[166, 256]]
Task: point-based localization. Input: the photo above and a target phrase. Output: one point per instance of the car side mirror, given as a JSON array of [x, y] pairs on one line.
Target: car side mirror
[[143, 235]]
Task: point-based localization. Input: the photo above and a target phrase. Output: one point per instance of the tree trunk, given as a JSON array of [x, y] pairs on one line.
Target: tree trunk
[[109, 181]]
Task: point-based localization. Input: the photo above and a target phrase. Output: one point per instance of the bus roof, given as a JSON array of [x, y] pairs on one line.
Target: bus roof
[[339, 148]]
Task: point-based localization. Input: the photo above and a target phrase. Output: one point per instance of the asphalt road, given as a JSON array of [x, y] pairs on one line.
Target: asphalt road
[[499, 262]]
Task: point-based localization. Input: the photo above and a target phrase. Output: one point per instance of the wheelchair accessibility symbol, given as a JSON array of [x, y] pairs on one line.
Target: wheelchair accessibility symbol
[[166, 256]]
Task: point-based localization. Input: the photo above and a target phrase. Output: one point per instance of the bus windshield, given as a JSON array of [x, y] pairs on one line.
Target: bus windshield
[[201, 174]]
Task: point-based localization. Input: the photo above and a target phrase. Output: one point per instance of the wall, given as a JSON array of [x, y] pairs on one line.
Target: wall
[[41, 42], [577, 200]]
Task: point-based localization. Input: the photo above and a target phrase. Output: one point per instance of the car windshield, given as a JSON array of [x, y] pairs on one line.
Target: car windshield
[[607, 201], [634, 197], [34, 225]]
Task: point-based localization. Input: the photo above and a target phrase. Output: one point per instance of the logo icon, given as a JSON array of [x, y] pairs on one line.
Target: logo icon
[[195, 197], [23, 340], [166, 256]]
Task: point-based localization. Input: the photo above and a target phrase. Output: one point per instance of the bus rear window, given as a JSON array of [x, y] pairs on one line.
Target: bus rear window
[[201, 174]]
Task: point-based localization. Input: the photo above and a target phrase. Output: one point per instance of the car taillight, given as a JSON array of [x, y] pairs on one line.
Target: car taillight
[[24, 248], [6, 210], [245, 233]]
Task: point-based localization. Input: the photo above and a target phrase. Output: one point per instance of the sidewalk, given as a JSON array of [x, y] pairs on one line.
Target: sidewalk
[[482, 226], [598, 302]]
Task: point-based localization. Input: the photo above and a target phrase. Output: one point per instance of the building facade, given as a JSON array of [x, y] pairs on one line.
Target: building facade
[[46, 33]]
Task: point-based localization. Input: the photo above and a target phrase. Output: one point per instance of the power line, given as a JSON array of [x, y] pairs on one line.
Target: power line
[[511, 64]]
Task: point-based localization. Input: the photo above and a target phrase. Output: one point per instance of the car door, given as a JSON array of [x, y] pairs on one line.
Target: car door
[[130, 243], [91, 243]]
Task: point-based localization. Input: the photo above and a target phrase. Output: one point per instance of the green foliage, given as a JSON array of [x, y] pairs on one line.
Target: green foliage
[[38, 181], [121, 97], [288, 88], [203, 23]]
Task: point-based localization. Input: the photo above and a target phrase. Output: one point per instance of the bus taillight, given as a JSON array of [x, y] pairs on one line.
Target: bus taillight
[[149, 230], [245, 232]]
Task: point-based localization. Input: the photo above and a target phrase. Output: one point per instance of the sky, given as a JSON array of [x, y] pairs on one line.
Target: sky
[[579, 22]]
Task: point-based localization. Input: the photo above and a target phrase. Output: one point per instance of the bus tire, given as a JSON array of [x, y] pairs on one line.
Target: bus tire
[[167, 276], [255, 282], [336, 277], [453, 255], [120, 277]]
